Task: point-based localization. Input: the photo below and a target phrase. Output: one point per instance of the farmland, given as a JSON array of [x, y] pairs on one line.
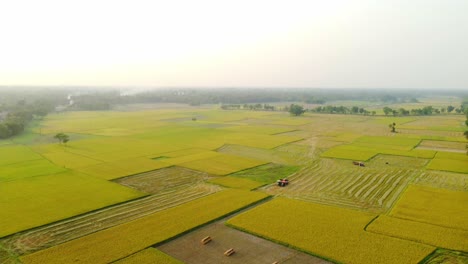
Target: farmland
[[129, 181]]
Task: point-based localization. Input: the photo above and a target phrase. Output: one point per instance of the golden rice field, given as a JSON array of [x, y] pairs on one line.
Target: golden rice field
[[413, 205], [125, 239], [105, 195], [150, 255], [434, 235], [327, 232]]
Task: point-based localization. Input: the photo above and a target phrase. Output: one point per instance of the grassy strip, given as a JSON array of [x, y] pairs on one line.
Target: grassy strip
[[123, 240]]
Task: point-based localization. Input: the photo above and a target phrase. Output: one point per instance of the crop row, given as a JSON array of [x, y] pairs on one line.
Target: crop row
[[356, 187], [123, 240], [62, 231]]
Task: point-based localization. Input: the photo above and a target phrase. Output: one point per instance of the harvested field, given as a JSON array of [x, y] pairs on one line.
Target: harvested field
[[340, 183], [159, 181], [442, 179], [249, 249], [385, 161], [447, 256], [62, 231], [266, 174], [128, 238]]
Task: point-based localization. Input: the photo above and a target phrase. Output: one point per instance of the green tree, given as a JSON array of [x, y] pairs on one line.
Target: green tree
[[450, 108], [392, 126], [296, 109], [387, 110], [62, 138]]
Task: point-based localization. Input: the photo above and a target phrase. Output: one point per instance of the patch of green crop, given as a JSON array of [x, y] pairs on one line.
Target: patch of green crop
[[35, 201]]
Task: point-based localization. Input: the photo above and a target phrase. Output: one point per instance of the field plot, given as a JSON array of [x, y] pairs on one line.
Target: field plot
[[365, 151], [222, 164], [434, 235], [122, 168], [150, 255], [287, 154], [386, 161], [249, 249], [447, 208], [433, 216], [13, 153], [234, 182], [447, 256], [70, 160], [259, 140], [123, 240], [166, 179], [328, 232], [256, 129], [169, 188], [445, 161], [439, 145], [32, 168], [437, 123], [266, 174], [442, 179], [45, 199], [340, 183]]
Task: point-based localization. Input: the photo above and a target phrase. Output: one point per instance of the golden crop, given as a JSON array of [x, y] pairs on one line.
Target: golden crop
[[123, 240], [329, 232]]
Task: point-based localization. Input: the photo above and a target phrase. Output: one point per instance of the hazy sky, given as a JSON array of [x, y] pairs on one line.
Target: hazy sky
[[311, 43]]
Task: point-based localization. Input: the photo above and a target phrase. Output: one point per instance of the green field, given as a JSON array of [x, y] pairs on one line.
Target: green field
[[128, 180], [45, 199]]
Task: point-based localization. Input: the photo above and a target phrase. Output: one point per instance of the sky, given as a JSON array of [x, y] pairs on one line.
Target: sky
[[420, 44]]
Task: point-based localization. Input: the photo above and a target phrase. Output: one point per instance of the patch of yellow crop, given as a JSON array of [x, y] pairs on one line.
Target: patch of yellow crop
[[121, 168], [290, 121], [344, 152], [190, 158], [149, 255], [444, 237], [330, 232], [256, 129], [222, 164], [182, 152], [258, 140], [235, 182], [70, 160], [123, 240], [453, 156], [393, 141], [433, 206], [449, 165], [35, 201], [286, 154]]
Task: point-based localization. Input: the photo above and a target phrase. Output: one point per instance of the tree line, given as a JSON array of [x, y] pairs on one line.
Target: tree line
[[14, 118]]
